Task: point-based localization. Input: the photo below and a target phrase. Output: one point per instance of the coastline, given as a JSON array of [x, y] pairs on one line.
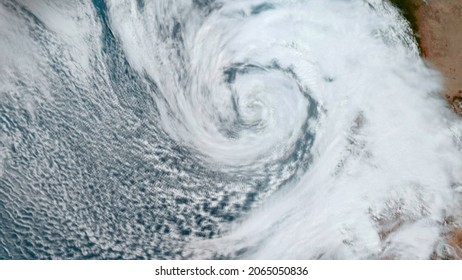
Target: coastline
[[437, 25]]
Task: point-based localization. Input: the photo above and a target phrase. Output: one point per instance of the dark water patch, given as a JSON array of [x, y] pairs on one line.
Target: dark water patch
[[261, 8], [207, 6], [140, 5], [408, 9]]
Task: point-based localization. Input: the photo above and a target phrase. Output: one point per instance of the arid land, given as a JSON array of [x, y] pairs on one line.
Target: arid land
[[437, 25]]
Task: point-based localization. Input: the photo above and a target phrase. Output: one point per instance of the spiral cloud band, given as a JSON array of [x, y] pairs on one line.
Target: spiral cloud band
[[282, 129]]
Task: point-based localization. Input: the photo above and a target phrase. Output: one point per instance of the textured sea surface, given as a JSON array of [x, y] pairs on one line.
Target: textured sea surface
[[177, 129]]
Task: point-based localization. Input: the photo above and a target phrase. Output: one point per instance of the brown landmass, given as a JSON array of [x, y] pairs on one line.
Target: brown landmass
[[439, 33], [455, 241], [438, 25]]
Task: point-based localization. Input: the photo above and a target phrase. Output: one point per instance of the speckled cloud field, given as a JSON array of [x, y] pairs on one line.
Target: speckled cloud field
[[302, 129]]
